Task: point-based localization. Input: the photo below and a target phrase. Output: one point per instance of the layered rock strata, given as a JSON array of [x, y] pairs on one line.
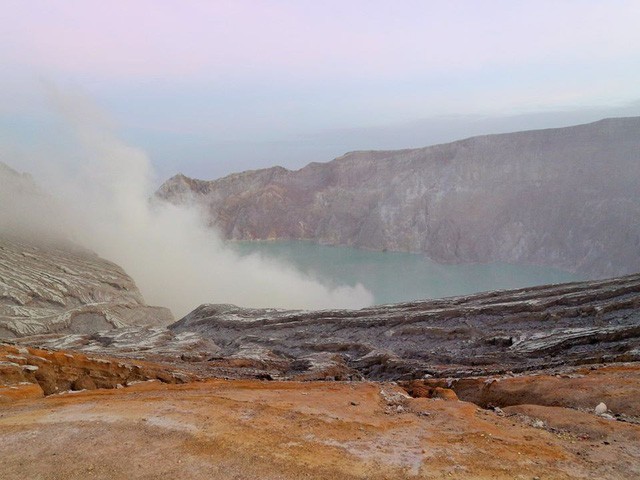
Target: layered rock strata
[[30, 372], [50, 284], [495, 332], [59, 287], [517, 331]]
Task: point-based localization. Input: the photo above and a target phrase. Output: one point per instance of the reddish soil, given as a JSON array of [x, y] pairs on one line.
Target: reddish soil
[[31, 372], [617, 385], [248, 429]]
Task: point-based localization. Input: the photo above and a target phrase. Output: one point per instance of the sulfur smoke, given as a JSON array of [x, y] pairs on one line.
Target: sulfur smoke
[[103, 190]]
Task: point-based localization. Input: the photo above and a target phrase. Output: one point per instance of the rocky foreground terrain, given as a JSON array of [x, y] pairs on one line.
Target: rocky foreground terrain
[[493, 333], [112, 418], [534, 383], [565, 197]]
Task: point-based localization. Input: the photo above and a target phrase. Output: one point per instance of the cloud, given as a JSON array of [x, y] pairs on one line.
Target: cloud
[[104, 187]]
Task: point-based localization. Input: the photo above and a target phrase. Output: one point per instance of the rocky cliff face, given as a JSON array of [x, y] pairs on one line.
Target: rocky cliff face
[[48, 284], [28, 372], [62, 288], [567, 197]]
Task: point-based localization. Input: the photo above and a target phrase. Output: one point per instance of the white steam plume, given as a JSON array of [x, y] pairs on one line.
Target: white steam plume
[[175, 260]]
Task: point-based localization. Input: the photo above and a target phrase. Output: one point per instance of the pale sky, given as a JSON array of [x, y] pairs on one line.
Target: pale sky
[[208, 88]]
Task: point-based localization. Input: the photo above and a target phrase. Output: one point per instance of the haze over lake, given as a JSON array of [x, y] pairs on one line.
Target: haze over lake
[[396, 276]]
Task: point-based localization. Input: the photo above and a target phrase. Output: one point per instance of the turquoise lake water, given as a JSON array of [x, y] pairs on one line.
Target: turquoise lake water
[[397, 277]]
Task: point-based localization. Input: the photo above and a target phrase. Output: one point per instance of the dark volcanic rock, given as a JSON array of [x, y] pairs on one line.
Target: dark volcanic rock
[[494, 332], [566, 197]]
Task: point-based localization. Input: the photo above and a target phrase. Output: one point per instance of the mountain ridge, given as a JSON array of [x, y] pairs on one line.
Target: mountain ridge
[[502, 197]]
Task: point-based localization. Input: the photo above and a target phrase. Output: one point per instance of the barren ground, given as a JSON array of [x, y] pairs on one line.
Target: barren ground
[[248, 429]]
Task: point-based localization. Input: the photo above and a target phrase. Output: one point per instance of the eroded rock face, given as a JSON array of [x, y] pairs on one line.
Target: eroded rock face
[[582, 388], [567, 197], [148, 343], [30, 372], [48, 283], [531, 329], [496, 332], [58, 287]]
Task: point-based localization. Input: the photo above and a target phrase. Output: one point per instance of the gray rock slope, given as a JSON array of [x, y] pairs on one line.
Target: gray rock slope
[[62, 288], [566, 197], [48, 284], [551, 327], [495, 332]]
